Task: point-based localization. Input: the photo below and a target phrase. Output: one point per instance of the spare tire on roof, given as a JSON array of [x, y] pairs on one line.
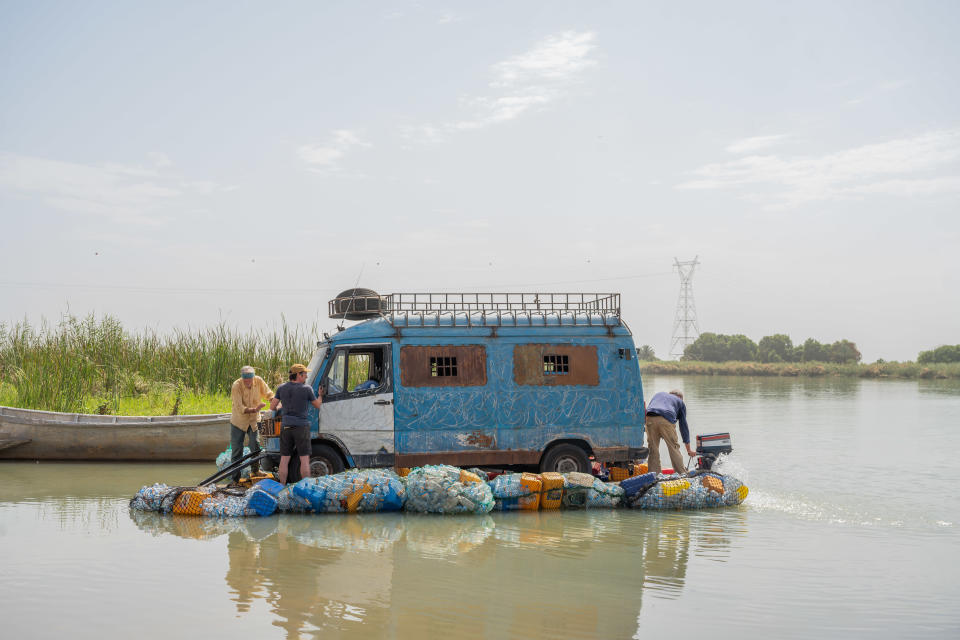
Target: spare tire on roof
[[357, 304]]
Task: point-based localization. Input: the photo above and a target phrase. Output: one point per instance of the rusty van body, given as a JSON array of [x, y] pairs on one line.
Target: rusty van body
[[549, 380]]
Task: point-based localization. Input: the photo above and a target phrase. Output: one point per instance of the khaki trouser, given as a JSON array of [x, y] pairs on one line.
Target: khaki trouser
[[659, 428]]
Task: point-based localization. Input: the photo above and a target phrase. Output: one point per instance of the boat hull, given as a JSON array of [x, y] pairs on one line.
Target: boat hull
[[46, 435]]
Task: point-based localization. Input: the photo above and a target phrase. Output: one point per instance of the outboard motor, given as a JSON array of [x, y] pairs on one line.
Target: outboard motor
[[709, 448]]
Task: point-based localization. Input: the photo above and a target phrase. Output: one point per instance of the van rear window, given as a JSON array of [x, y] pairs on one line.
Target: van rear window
[[443, 366], [555, 364]]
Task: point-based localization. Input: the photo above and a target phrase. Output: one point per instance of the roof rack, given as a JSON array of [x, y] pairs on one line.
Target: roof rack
[[499, 309]]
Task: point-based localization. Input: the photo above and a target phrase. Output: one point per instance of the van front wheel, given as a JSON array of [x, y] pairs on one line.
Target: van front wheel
[[324, 461], [565, 458]]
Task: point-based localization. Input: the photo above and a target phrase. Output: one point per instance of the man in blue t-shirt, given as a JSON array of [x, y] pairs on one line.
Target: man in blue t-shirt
[[664, 410], [296, 397]]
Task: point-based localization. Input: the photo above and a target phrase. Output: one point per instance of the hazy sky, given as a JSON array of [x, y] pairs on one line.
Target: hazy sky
[[175, 164]]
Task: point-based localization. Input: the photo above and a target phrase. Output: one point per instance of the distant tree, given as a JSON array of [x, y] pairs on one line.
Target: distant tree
[[776, 348], [943, 353], [645, 352], [709, 347], [741, 348], [844, 351], [813, 351]]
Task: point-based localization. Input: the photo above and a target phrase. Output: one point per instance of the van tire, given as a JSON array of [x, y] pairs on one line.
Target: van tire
[[325, 461], [564, 458]]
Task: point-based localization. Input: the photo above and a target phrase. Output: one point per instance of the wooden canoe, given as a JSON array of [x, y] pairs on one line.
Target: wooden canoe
[[26, 434]]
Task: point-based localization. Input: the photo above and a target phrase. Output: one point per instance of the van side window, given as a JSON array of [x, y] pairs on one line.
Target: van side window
[[443, 366], [337, 371], [555, 365], [359, 370]]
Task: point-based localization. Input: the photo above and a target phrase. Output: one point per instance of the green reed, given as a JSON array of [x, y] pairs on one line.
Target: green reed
[[87, 362]]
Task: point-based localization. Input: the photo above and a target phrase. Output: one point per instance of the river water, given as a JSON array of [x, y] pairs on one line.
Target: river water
[[850, 530]]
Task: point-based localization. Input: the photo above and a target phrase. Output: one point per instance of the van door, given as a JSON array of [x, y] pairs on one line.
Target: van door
[[358, 403]]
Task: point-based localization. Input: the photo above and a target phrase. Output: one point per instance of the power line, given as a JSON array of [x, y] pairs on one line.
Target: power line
[[275, 291]]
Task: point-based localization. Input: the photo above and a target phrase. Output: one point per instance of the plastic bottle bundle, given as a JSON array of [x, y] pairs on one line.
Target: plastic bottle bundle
[[604, 495], [695, 492], [734, 491], [226, 507], [223, 460], [300, 497], [437, 489], [387, 492], [150, 498], [480, 473], [576, 486]]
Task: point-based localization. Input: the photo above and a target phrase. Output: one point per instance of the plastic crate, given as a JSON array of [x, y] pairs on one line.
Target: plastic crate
[[269, 427], [632, 486], [190, 503], [673, 487], [262, 502], [270, 486], [532, 483], [353, 500], [619, 473], [712, 483]]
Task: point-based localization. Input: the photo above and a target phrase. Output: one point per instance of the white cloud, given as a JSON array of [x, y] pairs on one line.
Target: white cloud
[[882, 168], [124, 193], [756, 143], [522, 83], [327, 156]]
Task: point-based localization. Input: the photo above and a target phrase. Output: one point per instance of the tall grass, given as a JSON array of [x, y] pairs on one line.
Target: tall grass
[[84, 362], [909, 370]]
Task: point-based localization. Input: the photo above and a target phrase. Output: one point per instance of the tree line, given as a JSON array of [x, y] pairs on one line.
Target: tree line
[[945, 353], [718, 347]]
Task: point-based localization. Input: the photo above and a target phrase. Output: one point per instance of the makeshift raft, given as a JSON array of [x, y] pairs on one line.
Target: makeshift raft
[[444, 489]]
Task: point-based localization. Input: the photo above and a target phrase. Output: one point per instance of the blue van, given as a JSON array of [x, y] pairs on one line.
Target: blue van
[[546, 380]]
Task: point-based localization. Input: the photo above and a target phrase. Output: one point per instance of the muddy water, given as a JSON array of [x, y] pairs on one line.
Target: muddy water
[[850, 529]]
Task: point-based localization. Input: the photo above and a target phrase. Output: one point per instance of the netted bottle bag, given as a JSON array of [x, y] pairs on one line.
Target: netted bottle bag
[[303, 497], [604, 495], [225, 507], [387, 493], [437, 489], [150, 498], [703, 490]]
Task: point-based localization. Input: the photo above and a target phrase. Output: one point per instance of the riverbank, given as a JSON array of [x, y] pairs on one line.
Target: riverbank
[[900, 370]]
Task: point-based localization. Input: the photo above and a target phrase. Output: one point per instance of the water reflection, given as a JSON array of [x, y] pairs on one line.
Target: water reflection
[[570, 574]]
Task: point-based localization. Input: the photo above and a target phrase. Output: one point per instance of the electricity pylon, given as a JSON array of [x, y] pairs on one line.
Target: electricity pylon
[[685, 329]]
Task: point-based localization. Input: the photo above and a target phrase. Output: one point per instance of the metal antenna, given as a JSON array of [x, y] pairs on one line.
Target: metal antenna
[[685, 329]]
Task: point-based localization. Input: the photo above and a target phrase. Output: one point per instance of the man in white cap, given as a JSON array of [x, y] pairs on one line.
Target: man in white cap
[[248, 394]]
